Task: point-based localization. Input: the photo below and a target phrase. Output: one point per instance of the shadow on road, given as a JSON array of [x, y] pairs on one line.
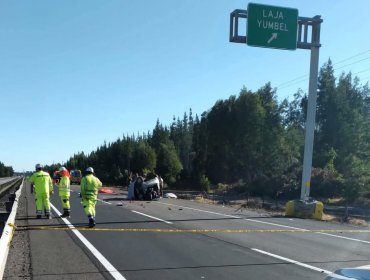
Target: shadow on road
[[197, 267], [83, 225]]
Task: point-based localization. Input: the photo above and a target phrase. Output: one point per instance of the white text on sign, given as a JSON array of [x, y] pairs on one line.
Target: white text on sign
[[268, 22]]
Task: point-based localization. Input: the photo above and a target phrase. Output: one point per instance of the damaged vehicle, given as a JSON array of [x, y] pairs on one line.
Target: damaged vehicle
[[147, 188]]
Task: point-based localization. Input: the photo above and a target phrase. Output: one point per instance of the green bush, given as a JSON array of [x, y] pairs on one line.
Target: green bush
[[204, 182]]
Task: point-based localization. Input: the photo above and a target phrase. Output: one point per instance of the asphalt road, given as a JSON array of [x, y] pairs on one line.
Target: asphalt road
[[161, 253], [6, 179]]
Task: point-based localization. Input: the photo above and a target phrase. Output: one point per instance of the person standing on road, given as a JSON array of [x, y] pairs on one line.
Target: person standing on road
[[89, 193], [43, 188], [64, 191], [161, 183]]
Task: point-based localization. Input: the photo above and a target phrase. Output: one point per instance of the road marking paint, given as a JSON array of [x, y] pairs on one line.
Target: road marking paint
[[302, 264], [344, 237], [155, 218], [280, 225], [323, 232], [104, 201], [273, 224], [195, 209], [110, 268]]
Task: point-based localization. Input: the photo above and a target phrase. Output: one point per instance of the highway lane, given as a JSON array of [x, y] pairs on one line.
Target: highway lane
[[6, 179], [328, 249], [174, 256], [143, 255]]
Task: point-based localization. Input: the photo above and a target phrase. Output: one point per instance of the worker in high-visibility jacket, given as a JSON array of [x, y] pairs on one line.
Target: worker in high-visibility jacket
[[89, 193], [43, 188], [64, 191]]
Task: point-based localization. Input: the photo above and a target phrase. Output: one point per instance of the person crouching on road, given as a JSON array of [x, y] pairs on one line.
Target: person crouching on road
[[89, 193], [43, 188], [64, 191]]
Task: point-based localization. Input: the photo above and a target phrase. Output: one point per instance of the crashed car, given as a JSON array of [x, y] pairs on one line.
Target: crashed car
[[146, 188]]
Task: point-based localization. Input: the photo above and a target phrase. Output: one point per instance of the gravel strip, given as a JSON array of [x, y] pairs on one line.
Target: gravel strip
[[18, 265]]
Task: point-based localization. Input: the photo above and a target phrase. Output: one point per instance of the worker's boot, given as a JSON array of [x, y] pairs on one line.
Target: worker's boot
[[47, 214], [66, 214], [91, 222]]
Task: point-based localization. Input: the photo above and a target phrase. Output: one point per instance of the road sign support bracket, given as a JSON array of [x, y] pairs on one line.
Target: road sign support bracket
[[305, 24], [304, 41]]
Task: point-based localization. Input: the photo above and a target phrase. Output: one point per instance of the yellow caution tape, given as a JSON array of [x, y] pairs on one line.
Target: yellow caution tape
[[197, 230]]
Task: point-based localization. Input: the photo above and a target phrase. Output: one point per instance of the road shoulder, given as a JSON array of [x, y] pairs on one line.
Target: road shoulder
[[46, 254]]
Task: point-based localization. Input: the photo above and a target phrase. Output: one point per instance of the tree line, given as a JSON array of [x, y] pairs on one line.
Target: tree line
[[253, 139], [6, 171]]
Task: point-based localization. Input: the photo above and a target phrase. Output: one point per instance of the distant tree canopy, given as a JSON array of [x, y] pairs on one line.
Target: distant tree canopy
[[6, 171], [254, 139]]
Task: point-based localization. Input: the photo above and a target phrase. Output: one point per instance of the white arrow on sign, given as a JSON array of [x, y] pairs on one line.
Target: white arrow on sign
[[274, 36]]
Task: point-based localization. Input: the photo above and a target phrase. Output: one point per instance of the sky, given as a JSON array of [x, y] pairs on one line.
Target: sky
[[74, 74]]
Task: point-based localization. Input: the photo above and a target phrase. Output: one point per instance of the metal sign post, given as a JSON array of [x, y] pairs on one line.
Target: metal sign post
[[257, 36], [311, 111]]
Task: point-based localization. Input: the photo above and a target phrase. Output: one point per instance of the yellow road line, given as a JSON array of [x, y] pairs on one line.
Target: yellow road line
[[196, 230]]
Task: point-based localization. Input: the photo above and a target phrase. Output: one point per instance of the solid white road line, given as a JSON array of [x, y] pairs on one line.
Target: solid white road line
[[106, 202], [344, 237], [195, 209], [268, 223], [109, 267], [302, 264], [273, 224], [155, 218], [322, 233]]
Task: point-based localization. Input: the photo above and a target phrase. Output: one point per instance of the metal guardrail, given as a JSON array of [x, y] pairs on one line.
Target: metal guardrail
[[8, 185], [353, 212]]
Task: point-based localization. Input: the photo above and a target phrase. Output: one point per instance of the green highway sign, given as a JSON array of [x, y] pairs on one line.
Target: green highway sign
[[272, 27]]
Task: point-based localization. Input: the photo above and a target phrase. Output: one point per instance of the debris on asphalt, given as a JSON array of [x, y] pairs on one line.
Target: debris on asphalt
[[170, 195]]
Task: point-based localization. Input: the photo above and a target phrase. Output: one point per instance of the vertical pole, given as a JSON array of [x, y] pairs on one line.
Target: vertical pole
[[311, 113]]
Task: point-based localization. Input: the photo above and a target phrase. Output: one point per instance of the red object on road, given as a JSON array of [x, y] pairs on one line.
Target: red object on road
[[105, 191]]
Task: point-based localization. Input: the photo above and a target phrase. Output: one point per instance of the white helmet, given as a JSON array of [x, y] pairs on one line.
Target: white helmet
[[38, 166], [90, 169], [62, 168]]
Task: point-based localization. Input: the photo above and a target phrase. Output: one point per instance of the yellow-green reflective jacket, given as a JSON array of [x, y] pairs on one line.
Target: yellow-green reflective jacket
[[42, 182], [64, 186], [89, 186]]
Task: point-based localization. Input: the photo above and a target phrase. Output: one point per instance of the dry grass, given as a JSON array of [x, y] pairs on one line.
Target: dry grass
[[358, 222], [338, 200], [250, 204], [340, 219], [330, 218], [201, 199]]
